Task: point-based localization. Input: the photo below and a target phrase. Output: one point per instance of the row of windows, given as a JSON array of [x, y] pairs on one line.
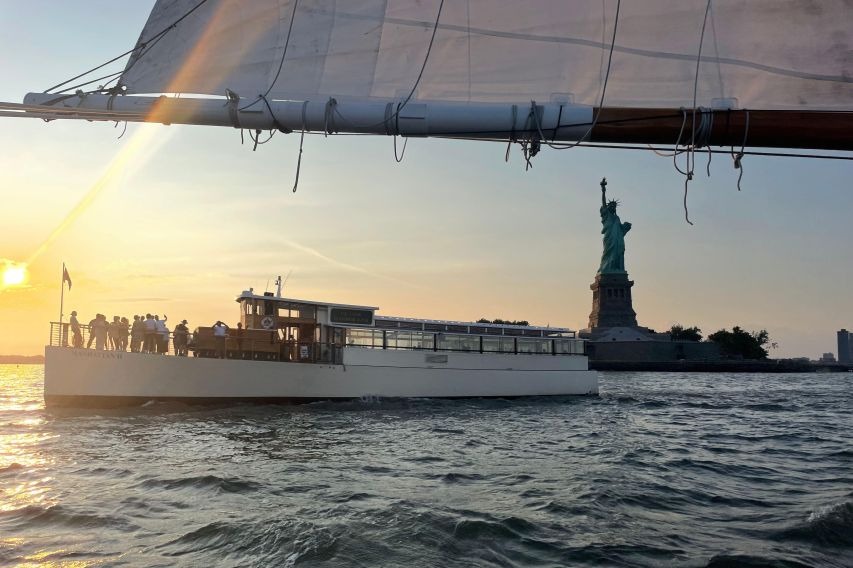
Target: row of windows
[[379, 339], [456, 328]]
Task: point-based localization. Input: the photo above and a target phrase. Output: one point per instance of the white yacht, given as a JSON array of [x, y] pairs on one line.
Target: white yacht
[[292, 351]]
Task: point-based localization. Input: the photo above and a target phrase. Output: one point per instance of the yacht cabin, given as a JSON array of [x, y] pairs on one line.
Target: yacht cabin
[[311, 331]]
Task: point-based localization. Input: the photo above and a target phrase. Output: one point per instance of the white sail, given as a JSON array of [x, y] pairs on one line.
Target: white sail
[[767, 54]]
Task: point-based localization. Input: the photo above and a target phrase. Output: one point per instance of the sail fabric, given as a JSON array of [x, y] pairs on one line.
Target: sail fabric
[[761, 54]]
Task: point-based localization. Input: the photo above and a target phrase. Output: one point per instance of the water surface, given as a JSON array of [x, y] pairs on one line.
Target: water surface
[[662, 469]]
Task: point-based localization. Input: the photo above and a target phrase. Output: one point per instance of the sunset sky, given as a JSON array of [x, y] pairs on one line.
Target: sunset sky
[[183, 218]]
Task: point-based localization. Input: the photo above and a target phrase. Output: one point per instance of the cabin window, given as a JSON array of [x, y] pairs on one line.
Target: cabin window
[[526, 345], [422, 340], [448, 342], [568, 347], [364, 338], [399, 339]]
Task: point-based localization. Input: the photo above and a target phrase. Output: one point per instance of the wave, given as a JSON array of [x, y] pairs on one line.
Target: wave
[[454, 477], [772, 407], [36, 516], [831, 525], [425, 459], [278, 543], [218, 484], [11, 468], [752, 561]]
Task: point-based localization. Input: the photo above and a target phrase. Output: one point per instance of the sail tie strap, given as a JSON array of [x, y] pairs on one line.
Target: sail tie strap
[[232, 100], [329, 117], [738, 158], [275, 122]]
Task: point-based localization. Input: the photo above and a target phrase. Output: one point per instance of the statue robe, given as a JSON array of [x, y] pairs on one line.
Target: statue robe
[[613, 229]]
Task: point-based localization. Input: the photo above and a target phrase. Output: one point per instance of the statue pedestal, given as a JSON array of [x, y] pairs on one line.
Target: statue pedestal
[[611, 302]]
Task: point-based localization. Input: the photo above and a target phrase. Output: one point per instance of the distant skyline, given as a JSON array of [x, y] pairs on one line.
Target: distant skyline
[[184, 218]]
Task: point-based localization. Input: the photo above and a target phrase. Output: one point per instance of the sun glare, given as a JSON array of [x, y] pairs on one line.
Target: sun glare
[[14, 275]]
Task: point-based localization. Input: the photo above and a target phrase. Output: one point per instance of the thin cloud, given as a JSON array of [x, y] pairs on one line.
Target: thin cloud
[[347, 266]]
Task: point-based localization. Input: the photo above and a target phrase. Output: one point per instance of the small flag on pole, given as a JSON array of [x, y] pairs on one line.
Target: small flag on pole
[[66, 277]]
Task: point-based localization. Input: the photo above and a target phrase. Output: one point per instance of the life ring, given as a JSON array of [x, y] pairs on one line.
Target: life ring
[[267, 322]]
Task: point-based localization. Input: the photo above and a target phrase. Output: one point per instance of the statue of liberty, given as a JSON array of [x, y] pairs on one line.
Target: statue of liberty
[[613, 229]]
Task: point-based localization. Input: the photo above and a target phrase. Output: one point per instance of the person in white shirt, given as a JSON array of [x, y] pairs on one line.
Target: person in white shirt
[[220, 332], [150, 345]]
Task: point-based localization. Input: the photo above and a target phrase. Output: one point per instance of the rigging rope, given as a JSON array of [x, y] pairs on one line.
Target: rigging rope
[[141, 46], [403, 154], [301, 142], [280, 63], [690, 157], [395, 116], [601, 100]]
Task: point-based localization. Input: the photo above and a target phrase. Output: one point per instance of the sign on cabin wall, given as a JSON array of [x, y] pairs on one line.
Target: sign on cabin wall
[[348, 316]]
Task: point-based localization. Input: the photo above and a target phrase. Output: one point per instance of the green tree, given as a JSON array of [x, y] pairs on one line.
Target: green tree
[[503, 322], [741, 343], [681, 333]]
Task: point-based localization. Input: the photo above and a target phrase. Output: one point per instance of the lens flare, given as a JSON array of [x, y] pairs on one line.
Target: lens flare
[[14, 275]]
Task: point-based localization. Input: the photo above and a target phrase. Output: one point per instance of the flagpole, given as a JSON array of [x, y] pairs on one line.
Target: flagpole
[[61, 297]]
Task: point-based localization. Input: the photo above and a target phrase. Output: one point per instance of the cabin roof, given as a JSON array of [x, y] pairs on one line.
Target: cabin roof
[[247, 295]]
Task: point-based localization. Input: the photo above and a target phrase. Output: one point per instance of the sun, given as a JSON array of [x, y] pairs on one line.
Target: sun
[[14, 275]]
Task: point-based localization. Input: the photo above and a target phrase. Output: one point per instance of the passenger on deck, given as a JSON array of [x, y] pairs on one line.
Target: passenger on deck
[[76, 336], [123, 333], [180, 341], [113, 331], [162, 334], [137, 334], [238, 335], [92, 323], [99, 331], [150, 336], [220, 332]]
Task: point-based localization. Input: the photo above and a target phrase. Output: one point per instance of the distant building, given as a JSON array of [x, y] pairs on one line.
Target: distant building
[[845, 347], [827, 358]]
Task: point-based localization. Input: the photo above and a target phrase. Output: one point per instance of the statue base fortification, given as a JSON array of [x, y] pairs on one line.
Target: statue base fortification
[[611, 301]]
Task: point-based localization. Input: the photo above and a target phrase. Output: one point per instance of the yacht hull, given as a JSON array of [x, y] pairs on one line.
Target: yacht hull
[[83, 377]]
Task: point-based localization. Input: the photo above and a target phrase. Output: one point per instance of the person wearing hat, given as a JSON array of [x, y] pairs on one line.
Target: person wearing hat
[[180, 343], [77, 337]]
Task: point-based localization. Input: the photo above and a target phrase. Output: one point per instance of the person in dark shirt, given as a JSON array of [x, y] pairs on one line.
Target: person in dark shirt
[[92, 323], [77, 337], [238, 335], [137, 334], [113, 330], [123, 334], [181, 334]]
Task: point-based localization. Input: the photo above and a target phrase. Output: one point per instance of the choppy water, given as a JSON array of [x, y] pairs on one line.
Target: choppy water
[[660, 470]]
